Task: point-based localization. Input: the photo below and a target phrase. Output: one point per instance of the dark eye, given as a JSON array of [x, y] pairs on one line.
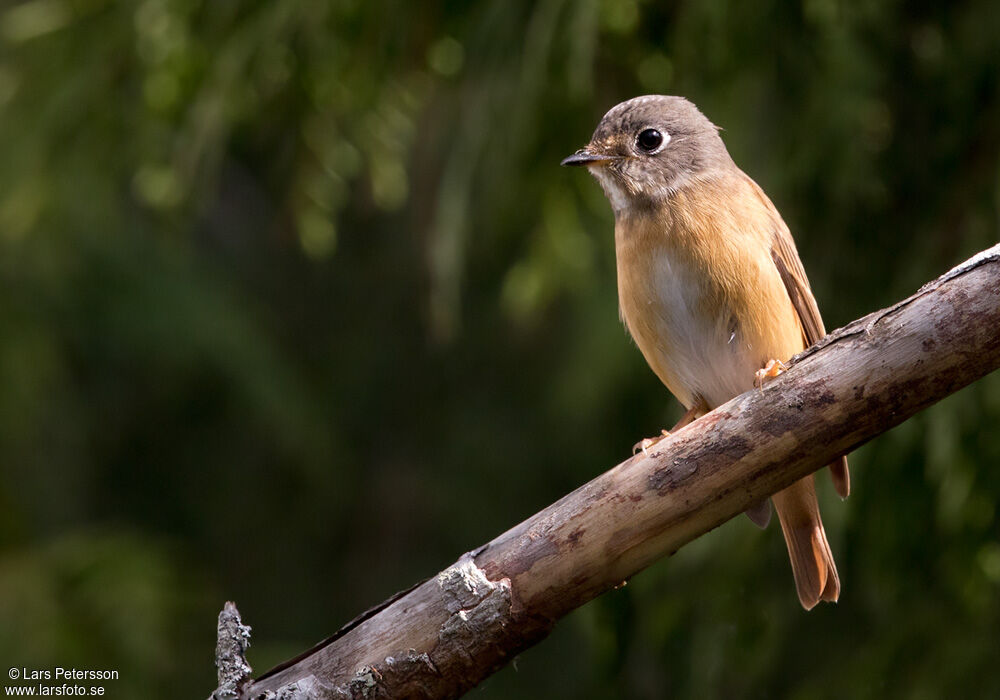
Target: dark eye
[[649, 139]]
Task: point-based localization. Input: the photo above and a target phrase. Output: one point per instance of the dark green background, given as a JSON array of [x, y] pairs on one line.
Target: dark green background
[[296, 306]]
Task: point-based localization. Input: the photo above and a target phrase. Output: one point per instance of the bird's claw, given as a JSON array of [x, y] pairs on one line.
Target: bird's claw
[[772, 369], [646, 443]]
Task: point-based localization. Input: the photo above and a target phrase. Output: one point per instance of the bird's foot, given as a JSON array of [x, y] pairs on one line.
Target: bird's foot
[[646, 443], [772, 369]]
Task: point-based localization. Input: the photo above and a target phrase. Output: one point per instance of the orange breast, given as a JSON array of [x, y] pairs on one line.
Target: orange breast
[[700, 293]]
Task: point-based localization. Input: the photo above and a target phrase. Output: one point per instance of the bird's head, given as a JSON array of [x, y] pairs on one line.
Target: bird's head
[[647, 148]]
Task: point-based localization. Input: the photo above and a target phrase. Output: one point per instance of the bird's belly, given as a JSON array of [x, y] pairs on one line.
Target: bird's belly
[[690, 336]]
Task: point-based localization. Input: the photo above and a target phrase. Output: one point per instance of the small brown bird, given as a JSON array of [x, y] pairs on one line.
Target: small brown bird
[[710, 286]]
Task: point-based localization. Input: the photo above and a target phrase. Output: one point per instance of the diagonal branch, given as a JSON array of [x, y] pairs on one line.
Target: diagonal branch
[[445, 635]]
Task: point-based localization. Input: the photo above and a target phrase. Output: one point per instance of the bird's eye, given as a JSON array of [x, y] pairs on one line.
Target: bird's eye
[[649, 140]]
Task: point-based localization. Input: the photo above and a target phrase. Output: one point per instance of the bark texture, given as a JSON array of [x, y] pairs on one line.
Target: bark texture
[[233, 638], [445, 635]]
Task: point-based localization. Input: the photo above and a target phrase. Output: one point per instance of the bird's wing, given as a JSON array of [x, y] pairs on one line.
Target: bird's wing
[[793, 275], [786, 259]]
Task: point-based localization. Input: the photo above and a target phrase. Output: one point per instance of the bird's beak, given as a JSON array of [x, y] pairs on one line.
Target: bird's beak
[[586, 157]]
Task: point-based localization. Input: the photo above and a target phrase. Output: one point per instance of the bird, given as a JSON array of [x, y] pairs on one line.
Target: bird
[[710, 287]]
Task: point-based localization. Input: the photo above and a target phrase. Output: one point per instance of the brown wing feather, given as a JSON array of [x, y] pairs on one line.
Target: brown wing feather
[[796, 284], [793, 274]]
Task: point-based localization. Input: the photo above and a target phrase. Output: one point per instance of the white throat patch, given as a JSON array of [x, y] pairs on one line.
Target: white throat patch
[[613, 188]]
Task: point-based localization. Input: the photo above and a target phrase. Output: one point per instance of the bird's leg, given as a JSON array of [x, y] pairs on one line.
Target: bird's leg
[[695, 411], [772, 369]]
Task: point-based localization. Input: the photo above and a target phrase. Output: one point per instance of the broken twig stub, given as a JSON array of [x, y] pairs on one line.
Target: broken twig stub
[[230, 654]]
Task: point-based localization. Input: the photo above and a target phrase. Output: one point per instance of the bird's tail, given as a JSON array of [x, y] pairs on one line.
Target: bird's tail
[[815, 573]]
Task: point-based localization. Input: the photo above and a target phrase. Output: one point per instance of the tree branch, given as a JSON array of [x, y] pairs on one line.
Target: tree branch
[[445, 635]]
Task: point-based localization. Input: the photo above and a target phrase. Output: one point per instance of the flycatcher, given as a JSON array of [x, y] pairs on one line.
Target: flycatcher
[[710, 286]]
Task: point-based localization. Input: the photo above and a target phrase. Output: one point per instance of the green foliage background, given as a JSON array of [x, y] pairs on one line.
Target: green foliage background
[[297, 306]]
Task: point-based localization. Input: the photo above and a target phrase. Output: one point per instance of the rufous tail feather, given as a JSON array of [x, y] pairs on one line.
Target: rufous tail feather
[[815, 572]]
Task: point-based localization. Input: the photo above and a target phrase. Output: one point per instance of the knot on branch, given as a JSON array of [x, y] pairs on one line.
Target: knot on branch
[[464, 585], [479, 606]]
